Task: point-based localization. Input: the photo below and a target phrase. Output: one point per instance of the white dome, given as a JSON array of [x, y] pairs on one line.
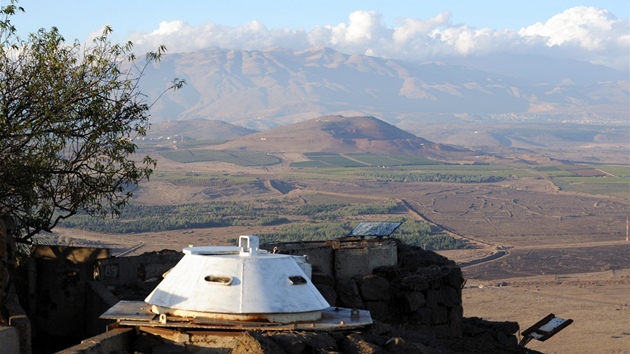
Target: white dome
[[238, 283]]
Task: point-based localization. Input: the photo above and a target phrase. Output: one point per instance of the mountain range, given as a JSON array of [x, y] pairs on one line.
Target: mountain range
[[266, 89]]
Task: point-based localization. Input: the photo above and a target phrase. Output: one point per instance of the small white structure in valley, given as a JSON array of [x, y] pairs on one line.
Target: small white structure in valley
[[242, 283]]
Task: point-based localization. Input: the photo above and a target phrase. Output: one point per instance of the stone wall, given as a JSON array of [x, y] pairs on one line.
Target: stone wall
[[7, 256], [59, 287], [397, 283], [414, 297]]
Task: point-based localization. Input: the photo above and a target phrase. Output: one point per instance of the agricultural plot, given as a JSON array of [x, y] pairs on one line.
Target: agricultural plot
[[589, 172], [393, 160], [336, 160], [417, 160], [510, 212], [617, 171], [241, 158], [367, 159], [377, 160], [553, 171], [615, 186], [308, 164], [474, 170], [177, 177]]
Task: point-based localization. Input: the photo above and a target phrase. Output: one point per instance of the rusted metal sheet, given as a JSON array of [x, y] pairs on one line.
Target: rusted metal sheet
[[137, 314], [129, 310]]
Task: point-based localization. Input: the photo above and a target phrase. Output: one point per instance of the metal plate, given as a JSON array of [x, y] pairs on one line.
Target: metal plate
[[137, 314], [129, 310]]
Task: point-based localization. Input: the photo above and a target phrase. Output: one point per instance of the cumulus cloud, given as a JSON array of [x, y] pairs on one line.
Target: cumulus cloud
[[588, 27], [584, 33]]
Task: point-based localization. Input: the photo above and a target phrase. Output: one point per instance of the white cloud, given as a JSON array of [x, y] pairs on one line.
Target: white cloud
[[588, 27], [584, 33], [588, 33], [412, 28]]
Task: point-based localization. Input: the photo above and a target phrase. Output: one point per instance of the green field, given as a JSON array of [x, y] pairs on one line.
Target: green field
[[393, 160], [241, 158], [309, 164], [614, 186], [336, 160], [617, 171]]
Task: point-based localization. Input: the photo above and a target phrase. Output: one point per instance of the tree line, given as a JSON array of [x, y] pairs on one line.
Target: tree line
[[411, 232], [323, 222]]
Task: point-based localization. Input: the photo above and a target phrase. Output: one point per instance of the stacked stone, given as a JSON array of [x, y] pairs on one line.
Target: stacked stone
[[7, 254], [423, 290]]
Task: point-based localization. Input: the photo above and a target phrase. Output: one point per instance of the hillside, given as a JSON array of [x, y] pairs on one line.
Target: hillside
[[340, 134], [196, 129], [269, 88]]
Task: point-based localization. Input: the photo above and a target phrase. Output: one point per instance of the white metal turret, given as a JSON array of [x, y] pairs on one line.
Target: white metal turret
[[238, 283]]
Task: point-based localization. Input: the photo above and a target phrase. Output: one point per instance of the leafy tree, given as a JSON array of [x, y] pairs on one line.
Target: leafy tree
[[69, 115]]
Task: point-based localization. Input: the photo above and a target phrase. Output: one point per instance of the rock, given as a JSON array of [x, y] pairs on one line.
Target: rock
[[306, 342], [456, 313], [320, 342], [254, 342], [448, 296], [398, 345], [411, 301], [328, 292], [415, 282], [292, 343], [374, 288], [355, 344], [379, 310], [423, 316], [348, 294], [319, 278], [440, 315]]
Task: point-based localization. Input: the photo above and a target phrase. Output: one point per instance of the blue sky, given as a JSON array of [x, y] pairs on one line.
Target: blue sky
[[76, 19], [405, 28]]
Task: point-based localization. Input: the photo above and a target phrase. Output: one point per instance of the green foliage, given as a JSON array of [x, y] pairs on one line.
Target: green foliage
[[339, 211], [271, 220], [412, 232], [68, 118], [307, 232], [323, 222], [418, 233], [144, 218]]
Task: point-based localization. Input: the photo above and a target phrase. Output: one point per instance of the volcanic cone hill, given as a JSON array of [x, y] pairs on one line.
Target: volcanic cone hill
[[339, 134]]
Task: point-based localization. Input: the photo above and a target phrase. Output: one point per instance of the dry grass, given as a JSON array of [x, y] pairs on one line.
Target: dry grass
[[598, 303]]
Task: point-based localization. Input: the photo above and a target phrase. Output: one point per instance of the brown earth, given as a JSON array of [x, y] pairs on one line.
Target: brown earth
[[556, 252]]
